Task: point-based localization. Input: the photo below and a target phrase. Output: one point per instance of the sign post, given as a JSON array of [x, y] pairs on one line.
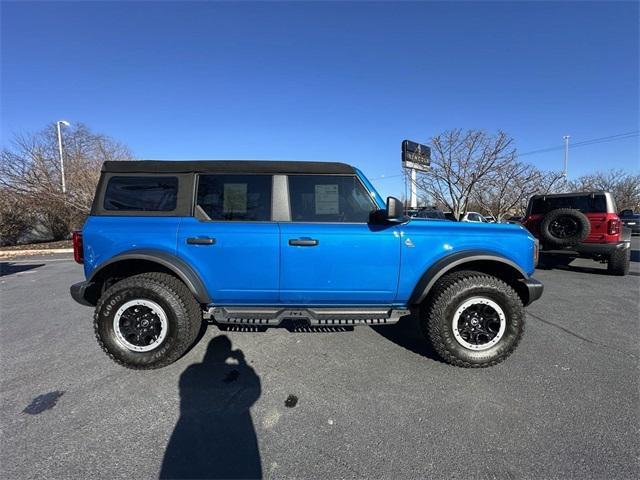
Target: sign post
[[415, 157]]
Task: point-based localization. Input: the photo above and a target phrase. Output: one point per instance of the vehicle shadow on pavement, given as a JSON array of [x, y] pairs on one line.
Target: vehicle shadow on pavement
[[595, 271], [406, 333], [215, 436], [9, 268]]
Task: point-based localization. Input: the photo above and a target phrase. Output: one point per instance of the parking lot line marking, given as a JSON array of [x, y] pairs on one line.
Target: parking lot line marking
[[566, 330], [37, 259]]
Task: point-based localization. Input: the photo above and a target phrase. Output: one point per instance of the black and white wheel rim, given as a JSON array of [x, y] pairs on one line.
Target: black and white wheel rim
[[479, 323], [140, 325]]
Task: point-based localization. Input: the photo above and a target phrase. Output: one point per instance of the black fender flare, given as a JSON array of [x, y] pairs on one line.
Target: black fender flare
[[451, 261], [178, 266]]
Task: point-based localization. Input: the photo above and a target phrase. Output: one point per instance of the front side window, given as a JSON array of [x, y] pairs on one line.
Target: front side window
[[329, 198], [235, 197], [145, 194]]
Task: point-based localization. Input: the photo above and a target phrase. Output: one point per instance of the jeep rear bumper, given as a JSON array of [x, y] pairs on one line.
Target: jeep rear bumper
[[85, 293], [534, 289]]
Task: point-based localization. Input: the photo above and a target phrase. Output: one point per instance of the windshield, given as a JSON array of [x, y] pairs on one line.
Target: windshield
[[374, 193]]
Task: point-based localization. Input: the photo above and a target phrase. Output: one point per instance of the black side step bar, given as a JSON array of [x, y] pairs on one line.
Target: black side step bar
[[315, 316]]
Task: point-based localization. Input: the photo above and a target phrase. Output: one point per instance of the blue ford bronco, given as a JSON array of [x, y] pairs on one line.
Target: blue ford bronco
[[171, 244]]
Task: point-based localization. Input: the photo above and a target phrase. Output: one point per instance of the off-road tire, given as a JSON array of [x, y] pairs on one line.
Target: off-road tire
[[583, 227], [449, 293], [619, 262], [184, 317]]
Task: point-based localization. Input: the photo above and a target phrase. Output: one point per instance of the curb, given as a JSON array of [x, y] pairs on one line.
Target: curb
[[22, 253]]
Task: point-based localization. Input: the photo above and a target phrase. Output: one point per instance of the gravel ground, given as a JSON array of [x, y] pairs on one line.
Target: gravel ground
[[362, 403]]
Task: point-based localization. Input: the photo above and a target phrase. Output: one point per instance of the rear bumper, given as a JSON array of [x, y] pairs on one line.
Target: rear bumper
[[534, 289], [85, 293], [589, 249]]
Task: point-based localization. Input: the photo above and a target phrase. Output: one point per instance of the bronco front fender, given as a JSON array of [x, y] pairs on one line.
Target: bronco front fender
[[455, 260]]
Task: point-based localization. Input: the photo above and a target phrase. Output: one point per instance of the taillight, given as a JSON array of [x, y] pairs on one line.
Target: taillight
[[78, 251], [614, 226]]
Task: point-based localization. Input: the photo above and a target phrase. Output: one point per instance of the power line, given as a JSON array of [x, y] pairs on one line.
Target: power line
[[584, 143]]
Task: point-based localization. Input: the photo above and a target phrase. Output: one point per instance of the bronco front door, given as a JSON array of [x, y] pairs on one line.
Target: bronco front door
[[330, 254]]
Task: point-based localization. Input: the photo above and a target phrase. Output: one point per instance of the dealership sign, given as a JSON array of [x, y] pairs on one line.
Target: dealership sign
[[415, 156]]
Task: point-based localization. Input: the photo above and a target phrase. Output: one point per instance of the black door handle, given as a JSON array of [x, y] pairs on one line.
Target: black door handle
[[201, 241], [303, 242]]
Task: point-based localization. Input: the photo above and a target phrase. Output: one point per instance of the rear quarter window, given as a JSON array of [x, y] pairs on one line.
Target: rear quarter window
[[144, 194]]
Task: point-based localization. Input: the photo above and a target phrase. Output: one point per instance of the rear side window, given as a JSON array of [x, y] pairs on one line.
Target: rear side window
[[584, 203], [329, 198], [235, 197], [145, 194]]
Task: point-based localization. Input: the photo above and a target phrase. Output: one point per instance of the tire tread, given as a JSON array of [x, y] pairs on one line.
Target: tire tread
[[439, 301], [181, 294]]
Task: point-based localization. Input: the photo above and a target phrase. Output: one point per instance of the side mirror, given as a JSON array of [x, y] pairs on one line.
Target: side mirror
[[395, 211]]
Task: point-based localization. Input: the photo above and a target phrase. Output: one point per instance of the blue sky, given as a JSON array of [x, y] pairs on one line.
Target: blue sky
[[326, 81]]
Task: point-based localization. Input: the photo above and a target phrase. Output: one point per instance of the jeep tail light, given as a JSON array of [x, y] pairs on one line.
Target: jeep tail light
[[78, 251], [614, 226]]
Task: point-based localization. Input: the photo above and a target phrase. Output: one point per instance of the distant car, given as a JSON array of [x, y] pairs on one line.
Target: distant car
[[631, 220], [579, 225], [450, 216], [515, 219], [473, 217], [431, 213], [490, 219]]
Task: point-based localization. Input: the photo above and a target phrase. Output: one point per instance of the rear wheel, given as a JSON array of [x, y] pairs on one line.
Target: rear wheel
[[147, 321], [473, 319], [619, 262]]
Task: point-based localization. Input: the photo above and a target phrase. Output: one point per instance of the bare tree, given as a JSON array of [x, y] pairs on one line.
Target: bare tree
[[15, 219], [462, 162], [508, 188], [543, 183], [30, 170]]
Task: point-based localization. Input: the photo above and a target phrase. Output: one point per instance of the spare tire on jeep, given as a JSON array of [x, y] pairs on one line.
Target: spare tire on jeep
[[564, 227]]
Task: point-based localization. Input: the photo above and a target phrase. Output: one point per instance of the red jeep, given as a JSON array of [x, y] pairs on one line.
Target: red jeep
[[583, 224]]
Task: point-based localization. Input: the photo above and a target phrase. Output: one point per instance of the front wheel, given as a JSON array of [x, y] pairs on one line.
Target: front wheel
[[474, 320], [147, 321]]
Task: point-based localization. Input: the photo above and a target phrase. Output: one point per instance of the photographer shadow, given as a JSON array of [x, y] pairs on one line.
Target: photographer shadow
[[215, 436]]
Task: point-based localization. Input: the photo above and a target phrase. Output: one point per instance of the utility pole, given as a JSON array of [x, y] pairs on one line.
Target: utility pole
[[66, 124], [566, 155]]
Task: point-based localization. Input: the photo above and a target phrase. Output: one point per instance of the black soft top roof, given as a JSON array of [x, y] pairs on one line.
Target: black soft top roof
[[225, 166]]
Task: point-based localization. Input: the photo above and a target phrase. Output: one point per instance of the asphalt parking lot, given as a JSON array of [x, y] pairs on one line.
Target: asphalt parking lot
[[361, 403]]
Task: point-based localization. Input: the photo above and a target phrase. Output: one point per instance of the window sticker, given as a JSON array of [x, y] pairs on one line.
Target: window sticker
[[235, 198], [327, 200]]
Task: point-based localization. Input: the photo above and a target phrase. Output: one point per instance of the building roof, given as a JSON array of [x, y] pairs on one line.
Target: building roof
[[225, 166]]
